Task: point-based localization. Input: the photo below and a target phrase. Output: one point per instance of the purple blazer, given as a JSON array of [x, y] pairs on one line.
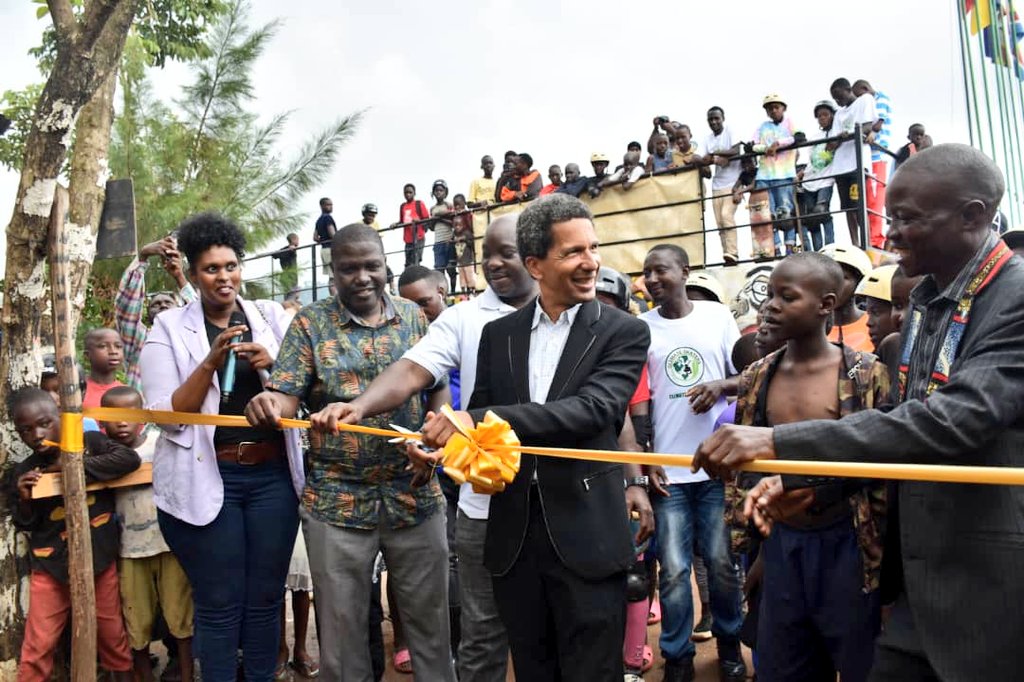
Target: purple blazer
[[186, 480]]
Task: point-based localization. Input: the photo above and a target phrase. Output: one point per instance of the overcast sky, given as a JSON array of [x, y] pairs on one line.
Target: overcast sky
[[444, 83]]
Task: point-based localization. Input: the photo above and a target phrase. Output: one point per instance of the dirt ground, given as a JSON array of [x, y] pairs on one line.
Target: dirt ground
[[706, 662]]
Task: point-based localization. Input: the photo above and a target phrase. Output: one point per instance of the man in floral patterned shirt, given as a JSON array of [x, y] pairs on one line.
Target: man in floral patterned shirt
[[359, 497]]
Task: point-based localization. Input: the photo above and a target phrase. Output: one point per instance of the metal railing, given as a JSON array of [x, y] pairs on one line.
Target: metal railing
[[310, 278]]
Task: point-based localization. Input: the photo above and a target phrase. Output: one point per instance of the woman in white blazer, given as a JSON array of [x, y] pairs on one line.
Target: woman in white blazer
[[227, 498]]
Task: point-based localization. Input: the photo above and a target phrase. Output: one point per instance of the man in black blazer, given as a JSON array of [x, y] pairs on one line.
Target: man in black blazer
[[959, 550], [561, 371]]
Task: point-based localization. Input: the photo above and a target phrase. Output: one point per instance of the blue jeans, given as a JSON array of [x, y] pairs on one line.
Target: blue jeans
[[237, 565], [695, 511], [815, 228], [780, 198], [444, 255]]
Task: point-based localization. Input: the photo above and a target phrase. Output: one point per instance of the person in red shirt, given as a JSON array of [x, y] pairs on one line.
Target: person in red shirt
[[411, 215], [555, 176], [525, 182], [105, 352]]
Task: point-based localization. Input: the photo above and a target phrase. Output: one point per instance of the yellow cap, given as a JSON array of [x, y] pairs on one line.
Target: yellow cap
[[845, 254], [707, 282], [773, 97], [878, 283], [599, 156]]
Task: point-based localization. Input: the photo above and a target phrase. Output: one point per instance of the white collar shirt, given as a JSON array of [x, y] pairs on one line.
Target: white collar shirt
[[547, 341], [452, 342]]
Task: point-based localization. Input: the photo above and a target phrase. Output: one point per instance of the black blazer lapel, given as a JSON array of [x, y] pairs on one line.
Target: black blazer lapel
[[519, 354], [581, 340]]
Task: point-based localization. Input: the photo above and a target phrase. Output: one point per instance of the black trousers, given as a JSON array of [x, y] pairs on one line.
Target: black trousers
[[561, 627], [899, 656]]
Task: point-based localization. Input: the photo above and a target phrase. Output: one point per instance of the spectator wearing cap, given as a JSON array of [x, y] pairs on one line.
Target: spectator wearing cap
[[854, 118], [882, 128], [702, 286], [575, 184], [599, 162], [370, 215], [612, 288], [481, 190], [814, 193], [850, 323], [525, 182], [777, 170], [874, 297], [370, 218], [444, 232], [555, 176]]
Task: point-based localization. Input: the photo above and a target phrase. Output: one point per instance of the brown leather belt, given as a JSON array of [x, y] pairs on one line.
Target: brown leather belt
[[249, 452]]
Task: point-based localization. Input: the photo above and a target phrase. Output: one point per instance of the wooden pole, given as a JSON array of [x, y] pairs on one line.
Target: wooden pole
[[80, 574]]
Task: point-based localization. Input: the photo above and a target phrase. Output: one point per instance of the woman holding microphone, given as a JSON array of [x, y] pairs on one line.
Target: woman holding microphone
[[227, 498]]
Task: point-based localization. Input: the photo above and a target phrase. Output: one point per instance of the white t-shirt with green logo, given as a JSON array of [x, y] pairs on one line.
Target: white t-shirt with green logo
[[686, 352]]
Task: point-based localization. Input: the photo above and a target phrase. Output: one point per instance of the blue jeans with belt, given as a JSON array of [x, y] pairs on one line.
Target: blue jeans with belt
[[237, 565], [695, 511]]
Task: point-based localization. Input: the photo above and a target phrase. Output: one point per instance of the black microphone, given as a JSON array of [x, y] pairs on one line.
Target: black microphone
[[227, 377]]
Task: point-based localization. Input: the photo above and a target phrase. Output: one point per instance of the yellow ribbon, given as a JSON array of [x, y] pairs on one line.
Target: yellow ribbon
[[493, 442], [72, 438]]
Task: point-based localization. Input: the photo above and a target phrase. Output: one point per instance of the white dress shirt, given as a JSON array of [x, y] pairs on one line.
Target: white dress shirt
[[452, 342], [547, 341]]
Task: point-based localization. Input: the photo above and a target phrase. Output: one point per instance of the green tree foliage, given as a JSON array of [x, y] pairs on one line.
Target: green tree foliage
[[166, 29], [18, 106], [162, 30], [207, 151]]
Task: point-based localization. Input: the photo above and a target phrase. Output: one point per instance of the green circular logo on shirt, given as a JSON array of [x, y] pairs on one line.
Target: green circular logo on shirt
[[684, 366]]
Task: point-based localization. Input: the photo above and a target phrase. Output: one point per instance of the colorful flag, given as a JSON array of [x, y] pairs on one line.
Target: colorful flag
[[980, 15], [1017, 42]]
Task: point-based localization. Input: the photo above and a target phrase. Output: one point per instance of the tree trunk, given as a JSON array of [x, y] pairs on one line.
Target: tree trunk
[[89, 171], [81, 580], [88, 50]]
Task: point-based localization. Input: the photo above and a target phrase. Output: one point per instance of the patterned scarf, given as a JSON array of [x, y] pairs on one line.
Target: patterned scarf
[[988, 270]]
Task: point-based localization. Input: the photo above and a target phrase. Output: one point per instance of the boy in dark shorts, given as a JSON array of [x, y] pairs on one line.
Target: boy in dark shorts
[[36, 420], [821, 556]]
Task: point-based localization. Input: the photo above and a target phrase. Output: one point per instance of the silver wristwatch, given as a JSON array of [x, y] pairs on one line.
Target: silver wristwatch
[[640, 481]]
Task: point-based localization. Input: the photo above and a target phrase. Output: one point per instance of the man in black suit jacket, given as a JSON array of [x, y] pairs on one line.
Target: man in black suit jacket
[[959, 550], [561, 371]]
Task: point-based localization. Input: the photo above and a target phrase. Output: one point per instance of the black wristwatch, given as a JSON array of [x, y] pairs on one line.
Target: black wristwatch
[[639, 481]]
